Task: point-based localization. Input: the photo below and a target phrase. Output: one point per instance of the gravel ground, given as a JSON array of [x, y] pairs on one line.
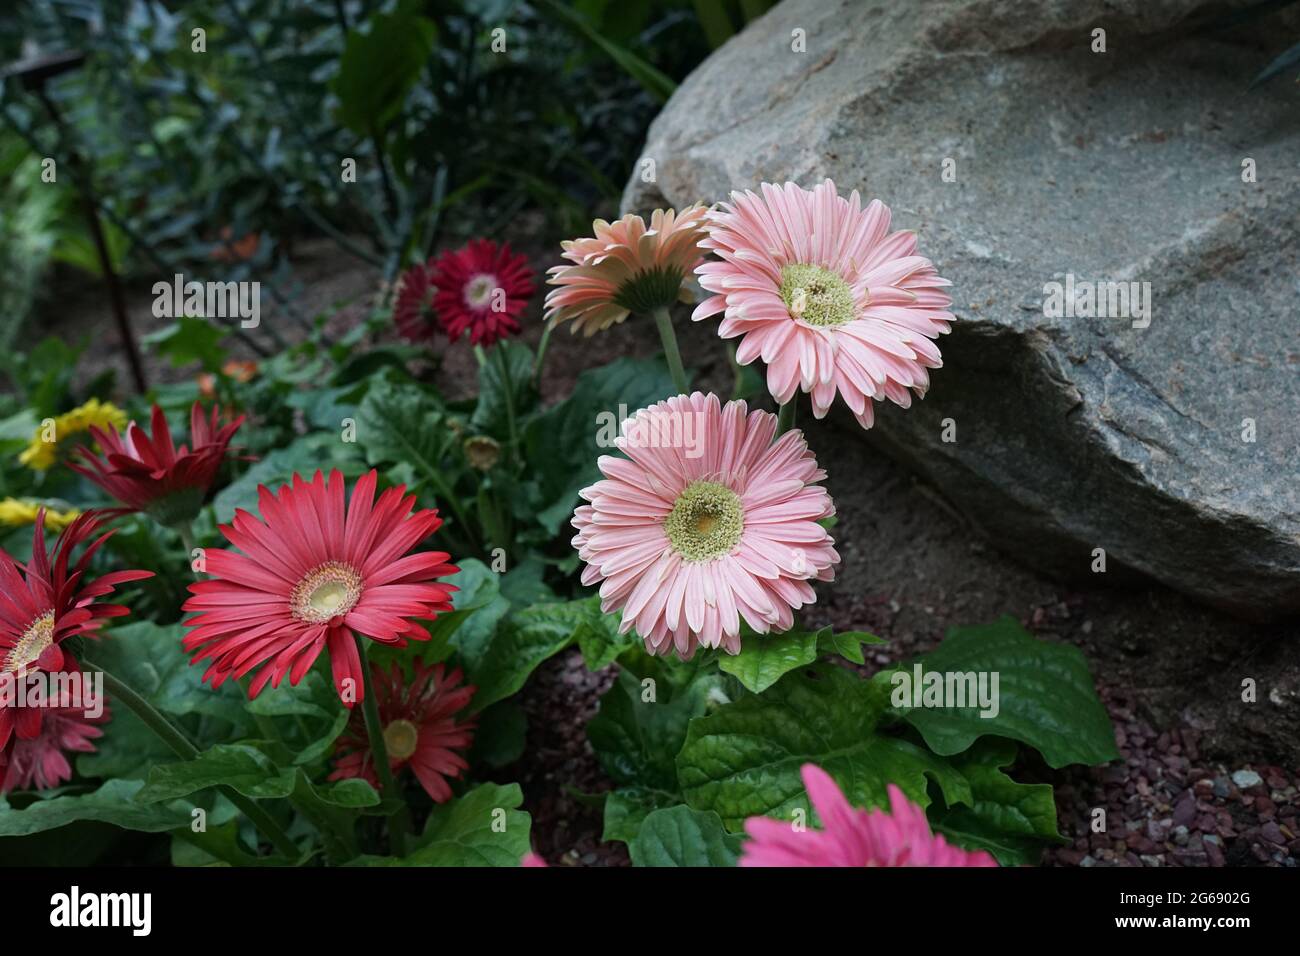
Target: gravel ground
[[1206, 778]]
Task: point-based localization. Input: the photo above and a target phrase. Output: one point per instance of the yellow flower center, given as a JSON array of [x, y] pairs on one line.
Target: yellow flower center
[[400, 739], [326, 592], [706, 521], [816, 295], [38, 636], [479, 290]]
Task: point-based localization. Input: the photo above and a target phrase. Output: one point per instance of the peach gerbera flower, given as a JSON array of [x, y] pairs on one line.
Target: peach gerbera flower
[[826, 295], [853, 837], [625, 268], [705, 523]]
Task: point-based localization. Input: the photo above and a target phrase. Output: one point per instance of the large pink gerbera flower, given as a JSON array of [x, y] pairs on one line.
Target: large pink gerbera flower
[[420, 729], [626, 267], [413, 311], [484, 288], [312, 571], [826, 295], [40, 762], [853, 837], [47, 601], [149, 473], [708, 522]]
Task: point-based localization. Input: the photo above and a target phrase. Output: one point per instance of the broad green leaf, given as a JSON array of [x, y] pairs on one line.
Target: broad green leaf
[[245, 768], [400, 422], [379, 66], [114, 802], [490, 414], [641, 726], [317, 452], [627, 807], [680, 836], [1011, 820], [565, 442], [485, 827], [745, 759], [765, 658], [1045, 698]]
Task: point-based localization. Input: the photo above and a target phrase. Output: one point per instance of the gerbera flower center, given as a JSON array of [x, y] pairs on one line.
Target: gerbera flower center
[[706, 521], [326, 592], [38, 636], [478, 291], [816, 295], [400, 738]]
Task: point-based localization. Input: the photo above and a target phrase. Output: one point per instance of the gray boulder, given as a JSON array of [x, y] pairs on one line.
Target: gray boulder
[[1174, 443]]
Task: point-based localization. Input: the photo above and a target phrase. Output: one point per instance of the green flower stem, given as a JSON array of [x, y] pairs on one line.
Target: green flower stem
[[785, 420], [664, 321], [399, 823], [181, 746], [511, 428], [541, 351]]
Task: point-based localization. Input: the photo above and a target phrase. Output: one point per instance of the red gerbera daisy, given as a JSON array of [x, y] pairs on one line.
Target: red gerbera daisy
[[420, 729], [482, 287], [311, 573], [40, 762], [149, 473], [413, 311], [45, 602]]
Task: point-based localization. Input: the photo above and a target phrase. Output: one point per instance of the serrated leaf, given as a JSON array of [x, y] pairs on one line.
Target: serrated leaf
[[680, 836], [744, 759], [764, 658], [1045, 698], [627, 807], [490, 413], [114, 802], [246, 769]]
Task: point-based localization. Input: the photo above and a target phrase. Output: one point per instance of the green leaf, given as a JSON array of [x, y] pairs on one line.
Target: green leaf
[[627, 807], [245, 768], [847, 644], [379, 67], [501, 735], [562, 445], [320, 451], [499, 661], [114, 803], [189, 340], [490, 415], [655, 82], [641, 726], [404, 423], [485, 827], [1045, 698], [680, 836], [744, 760], [764, 659], [1011, 820]]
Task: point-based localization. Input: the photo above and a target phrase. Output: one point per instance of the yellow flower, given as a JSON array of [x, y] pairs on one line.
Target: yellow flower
[[15, 512], [44, 448]]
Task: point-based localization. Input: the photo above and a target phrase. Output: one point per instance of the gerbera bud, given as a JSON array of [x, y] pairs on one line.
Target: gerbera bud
[[625, 268], [482, 452]]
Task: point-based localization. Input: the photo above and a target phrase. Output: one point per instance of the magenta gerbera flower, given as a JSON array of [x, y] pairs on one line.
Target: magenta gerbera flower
[[149, 473], [705, 523], [483, 288], [413, 311], [420, 729], [826, 295], [311, 573], [853, 837], [41, 762], [46, 602]]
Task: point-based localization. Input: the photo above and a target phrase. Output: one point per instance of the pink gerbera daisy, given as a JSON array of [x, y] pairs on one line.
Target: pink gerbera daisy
[[826, 295], [413, 311], [626, 267], [311, 573], [47, 601], [420, 729], [706, 523], [853, 837], [148, 473], [41, 762], [484, 288]]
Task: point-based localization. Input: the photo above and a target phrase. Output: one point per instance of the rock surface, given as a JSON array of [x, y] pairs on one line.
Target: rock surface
[[1072, 433]]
